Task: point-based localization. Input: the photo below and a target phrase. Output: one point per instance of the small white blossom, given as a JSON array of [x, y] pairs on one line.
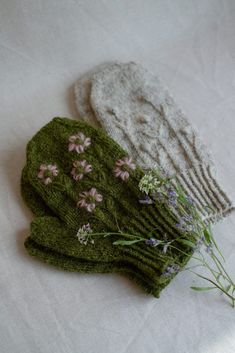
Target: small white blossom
[[84, 234], [149, 182]]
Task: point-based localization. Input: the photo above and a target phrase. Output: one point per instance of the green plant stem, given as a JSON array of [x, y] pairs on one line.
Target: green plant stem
[[215, 258], [208, 267], [193, 228], [215, 284], [118, 233], [213, 272]]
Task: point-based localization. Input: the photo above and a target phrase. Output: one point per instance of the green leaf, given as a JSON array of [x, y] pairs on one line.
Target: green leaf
[[207, 235], [186, 242], [107, 235], [202, 289], [228, 287], [219, 251], [210, 208], [126, 242]]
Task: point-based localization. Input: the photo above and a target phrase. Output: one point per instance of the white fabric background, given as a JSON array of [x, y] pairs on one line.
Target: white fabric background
[[44, 47]]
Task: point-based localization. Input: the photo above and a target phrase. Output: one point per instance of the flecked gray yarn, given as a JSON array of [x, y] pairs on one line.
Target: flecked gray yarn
[[137, 111], [83, 92]]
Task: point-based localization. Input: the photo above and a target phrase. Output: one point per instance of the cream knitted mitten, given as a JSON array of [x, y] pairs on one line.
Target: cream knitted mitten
[[137, 111]]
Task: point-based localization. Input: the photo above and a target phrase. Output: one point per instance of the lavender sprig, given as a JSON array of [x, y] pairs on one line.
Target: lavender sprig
[[196, 234], [192, 227]]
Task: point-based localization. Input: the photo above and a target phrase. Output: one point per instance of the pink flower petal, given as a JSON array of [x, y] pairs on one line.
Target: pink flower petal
[[78, 177], [79, 149], [81, 136], [83, 194], [55, 172], [132, 166], [124, 176], [41, 174], [47, 181], [126, 160], [88, 168], [90, 207], [43, 167], [82, 163], [118, 171], [93, 192], [98, 197], [82, 203], [119, 163], [72, 146], [72, 138], [87, 142]]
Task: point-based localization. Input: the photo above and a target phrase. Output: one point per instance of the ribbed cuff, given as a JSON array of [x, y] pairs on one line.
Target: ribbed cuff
[[202, 185]]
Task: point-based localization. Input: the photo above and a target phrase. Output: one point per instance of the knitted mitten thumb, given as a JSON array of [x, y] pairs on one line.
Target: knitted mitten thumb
[[54, 243]]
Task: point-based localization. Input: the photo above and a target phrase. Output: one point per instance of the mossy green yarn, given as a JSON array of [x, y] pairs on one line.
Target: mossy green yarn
[[50, 255], [37, 245], [56, 243]]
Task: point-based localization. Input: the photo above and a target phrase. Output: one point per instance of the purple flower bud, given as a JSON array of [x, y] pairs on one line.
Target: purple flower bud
[[190, 200], [152, 242], [172, 202], [171, 193], [146, 201], [187, 218], [180, 226], [171, 269], [209, 248], [184, 224]]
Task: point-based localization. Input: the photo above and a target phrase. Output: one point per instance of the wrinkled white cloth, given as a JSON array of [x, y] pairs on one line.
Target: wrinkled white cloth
[[44, 48]]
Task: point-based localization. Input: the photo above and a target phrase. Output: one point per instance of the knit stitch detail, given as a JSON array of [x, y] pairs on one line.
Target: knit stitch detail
[[116, 202], [136, 110]]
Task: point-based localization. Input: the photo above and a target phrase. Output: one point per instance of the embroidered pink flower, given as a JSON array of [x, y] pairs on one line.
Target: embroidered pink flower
[[79, 142], [88, 199], [123, 168], [47, 173], [80, 168]]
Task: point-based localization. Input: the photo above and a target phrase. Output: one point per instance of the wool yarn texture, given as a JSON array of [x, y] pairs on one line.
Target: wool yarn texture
[[136, 110], [80, 184]]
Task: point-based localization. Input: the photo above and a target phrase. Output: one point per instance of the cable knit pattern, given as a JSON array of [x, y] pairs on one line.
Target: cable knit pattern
[[136, 110]]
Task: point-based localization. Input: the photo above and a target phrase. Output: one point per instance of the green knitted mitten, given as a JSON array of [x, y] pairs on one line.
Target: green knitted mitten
[[83, 177], [49, 237], [37, 245]]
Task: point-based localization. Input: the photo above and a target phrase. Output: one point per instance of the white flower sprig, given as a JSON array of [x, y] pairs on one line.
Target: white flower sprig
[[84, 234]]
